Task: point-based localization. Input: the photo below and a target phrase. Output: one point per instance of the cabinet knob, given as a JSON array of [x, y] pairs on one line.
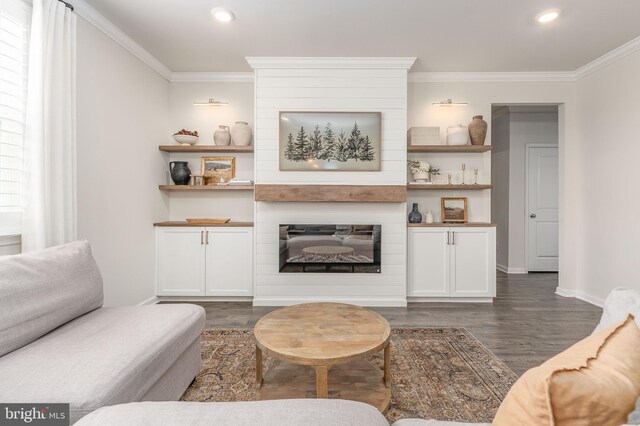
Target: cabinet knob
[[532, 216]]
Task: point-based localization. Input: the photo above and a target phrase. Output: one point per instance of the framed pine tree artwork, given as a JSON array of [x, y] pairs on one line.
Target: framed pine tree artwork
[[330, 141]]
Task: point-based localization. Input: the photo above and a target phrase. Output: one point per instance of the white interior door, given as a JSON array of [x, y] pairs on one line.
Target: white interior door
[[542, 203]]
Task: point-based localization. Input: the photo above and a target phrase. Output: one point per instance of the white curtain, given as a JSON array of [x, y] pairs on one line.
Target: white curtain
[[49, 216]]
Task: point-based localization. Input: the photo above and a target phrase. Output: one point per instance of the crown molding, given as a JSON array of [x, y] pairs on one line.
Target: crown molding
[[103, 24], [487, 77], [331, 62], [608, 58], [212, 77]]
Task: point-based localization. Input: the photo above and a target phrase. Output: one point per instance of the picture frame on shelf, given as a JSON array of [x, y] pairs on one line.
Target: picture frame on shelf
[[216, 170], [330, 141], [454, 210]]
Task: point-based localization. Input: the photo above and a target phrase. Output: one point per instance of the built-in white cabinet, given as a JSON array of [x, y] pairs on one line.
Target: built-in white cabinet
[[204, 261], [452, 262]]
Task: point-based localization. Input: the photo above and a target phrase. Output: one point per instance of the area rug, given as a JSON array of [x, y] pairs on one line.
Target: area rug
[[437, 373]]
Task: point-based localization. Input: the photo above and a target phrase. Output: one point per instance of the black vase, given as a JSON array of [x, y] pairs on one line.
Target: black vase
[[415, 216], [180, 172]]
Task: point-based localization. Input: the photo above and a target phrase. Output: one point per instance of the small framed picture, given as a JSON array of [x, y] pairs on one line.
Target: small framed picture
[[454, 210], [216, 170]]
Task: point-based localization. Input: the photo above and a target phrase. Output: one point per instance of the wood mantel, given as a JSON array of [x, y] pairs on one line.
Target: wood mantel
[[332, 193]]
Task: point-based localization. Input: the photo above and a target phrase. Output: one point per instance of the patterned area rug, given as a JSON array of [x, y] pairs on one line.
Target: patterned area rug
[[437, 373]]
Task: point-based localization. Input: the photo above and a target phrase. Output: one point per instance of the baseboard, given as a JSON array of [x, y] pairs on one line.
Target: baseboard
[[284, 301], [508, 270], [450, 299], [205, 299], [580, 295], [150, 301]]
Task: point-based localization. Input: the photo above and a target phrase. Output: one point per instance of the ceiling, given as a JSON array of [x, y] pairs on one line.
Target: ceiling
[[445, 35]]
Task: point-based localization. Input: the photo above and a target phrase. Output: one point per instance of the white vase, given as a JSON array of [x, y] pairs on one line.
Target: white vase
[[421, 177], [457, 135], [428, 216], [222, 137], [241, 134]]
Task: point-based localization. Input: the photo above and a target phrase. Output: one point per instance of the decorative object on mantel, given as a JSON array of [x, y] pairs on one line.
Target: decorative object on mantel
[[330, 141], [186, 137], [449, 102], [428, 217], [457, 135], [454, 210], [241, 134], [417, 136], [415, 216], [180, 172], [216, 170], [477, 130], [222, 136], [212, 220], [421, 170]]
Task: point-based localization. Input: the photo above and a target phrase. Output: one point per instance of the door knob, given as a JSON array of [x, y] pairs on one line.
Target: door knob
[[532, 215]]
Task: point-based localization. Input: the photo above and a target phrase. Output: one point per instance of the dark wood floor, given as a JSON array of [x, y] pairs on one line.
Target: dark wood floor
[[526, 325]]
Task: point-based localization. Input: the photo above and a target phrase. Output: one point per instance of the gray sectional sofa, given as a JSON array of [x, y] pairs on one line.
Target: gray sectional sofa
[[58, 344]]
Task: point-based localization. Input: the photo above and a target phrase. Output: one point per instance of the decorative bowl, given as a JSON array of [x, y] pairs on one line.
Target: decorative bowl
[[186, 139]]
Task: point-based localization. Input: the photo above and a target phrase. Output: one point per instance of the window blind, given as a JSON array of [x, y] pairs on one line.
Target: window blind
[[14, 47]]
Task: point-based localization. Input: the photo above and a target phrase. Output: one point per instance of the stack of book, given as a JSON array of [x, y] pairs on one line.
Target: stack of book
[[236, 181]]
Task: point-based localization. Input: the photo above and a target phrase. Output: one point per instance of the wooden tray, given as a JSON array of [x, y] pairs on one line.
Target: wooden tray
[[210, 220]]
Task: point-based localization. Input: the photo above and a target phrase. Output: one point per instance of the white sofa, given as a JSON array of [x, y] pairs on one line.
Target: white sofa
[[58, 344]]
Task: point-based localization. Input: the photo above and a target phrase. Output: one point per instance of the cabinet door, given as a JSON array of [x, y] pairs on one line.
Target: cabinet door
[[473, 267], [230, 262], [180, 261], [428, 262]]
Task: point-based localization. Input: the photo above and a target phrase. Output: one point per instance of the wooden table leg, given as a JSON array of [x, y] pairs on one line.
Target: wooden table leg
[[322, 385], [387, 365], [258, 366]]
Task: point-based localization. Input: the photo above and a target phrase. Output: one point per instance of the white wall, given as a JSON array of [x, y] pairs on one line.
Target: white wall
[[206, 119], [500, 125], [122, 117], [333, 89], [609, 236], [480, 96]]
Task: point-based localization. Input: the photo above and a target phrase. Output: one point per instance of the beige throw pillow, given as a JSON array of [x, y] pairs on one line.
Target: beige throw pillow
[[596, 382]]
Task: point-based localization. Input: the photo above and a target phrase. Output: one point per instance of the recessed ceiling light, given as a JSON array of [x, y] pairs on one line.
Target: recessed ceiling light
[[548, 15], [223, 15]]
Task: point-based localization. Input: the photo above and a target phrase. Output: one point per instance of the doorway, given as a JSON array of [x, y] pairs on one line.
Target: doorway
[[524, 200]]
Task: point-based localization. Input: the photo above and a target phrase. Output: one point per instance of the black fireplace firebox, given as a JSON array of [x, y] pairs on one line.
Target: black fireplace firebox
[[330, 248]]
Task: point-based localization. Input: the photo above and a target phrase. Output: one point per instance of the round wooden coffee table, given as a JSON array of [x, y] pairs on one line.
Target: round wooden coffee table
[[334, 339]]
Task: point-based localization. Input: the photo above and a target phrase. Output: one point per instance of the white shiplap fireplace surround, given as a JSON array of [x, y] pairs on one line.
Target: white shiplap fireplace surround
[[331, 84]]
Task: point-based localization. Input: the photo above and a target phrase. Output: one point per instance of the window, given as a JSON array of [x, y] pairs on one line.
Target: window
[[14, 48]]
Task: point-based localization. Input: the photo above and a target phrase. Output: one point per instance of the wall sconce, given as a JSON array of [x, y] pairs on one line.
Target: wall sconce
[[449, 102], [212, 102]]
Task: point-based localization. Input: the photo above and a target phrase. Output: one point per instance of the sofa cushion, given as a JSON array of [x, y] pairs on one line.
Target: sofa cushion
[[108, 356], [42, 290], [292, 412], [617, 306], [594, 382]]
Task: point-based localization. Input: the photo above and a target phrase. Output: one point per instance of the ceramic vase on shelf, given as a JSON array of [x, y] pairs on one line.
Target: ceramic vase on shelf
[[415, 216], [421, 177], [222, 137], [241, 134], [180, 172], [428, 216], [457, 135], [477, 130]]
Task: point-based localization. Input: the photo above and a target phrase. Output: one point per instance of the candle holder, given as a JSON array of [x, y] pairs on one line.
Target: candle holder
[[475, 172]]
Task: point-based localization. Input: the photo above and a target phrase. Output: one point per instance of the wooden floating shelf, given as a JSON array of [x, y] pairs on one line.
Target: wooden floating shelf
[[206, 187], [207, 225], [449, 148], [332, 193], [205, 148], [433, 187], [451, 225]]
